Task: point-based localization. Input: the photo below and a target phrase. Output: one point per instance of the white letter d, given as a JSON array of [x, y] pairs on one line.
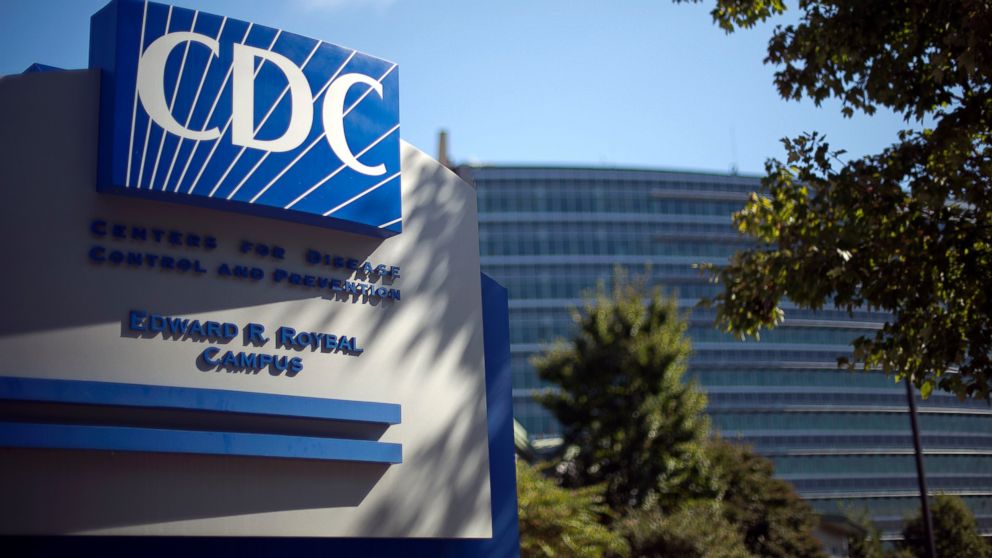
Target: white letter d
[[243, 101]]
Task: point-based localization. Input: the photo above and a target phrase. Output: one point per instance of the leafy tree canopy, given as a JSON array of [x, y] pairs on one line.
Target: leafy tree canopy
[[565, 523], [629, 420], [773, 520], [907, 230], [955, 531]]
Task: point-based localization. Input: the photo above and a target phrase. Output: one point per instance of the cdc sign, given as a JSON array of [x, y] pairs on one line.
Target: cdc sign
[[203, 109], [175, 371]]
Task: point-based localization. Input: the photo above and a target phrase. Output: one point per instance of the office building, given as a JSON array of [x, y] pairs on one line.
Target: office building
[[549, 234]]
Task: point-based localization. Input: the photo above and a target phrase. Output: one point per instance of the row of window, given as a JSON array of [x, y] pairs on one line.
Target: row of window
[[582, 287], [560, 314], [729, 422], [825, 314], [760, 356], [882, 465], [854, 442], [936, 483], [617, 201], [496, 180], [550, 327], [596, 272], [592, 245], [731, 354], [716, 232], [894, 399], [670, 276], [538, 421], [790, 378], [893, 526], [898, 507], [785, 335], [524, 377], [700, 318]]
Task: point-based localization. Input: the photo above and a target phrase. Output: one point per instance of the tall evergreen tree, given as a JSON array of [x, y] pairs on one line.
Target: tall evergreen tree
[[629, 420]]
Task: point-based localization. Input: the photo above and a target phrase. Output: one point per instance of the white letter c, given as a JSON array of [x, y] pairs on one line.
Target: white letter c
[[151, 83], [333, 117]]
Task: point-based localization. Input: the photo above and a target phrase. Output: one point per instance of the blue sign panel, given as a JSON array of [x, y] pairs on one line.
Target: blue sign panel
[[208, 110]]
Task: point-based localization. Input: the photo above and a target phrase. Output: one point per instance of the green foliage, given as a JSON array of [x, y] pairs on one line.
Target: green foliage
[[868, 545], [774, 521], [908, 230], [559, 522], [628, 419], [696, 530], [955, 531], [634, 426]]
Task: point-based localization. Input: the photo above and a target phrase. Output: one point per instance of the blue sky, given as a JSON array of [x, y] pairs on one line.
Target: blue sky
[[642, 83]]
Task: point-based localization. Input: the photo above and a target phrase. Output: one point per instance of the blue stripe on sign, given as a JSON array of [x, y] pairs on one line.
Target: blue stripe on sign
[[167, 397], [116, 438]]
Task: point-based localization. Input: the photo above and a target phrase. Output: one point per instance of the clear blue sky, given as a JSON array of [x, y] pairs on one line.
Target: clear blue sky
[[643, 83]]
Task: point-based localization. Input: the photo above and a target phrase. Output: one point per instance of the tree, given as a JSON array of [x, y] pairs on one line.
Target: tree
[[698, 529], [868, 544], [774, 521], [954, 530], [629, 420], [559, 522], [907, 230]]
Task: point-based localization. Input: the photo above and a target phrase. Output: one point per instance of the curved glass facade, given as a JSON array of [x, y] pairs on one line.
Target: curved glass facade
[[551, 234]]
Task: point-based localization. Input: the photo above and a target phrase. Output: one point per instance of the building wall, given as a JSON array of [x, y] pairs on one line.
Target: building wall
[[551, 234]]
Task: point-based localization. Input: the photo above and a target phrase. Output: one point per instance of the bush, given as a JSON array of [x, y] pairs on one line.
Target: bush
[[697, 530], [557, 522]]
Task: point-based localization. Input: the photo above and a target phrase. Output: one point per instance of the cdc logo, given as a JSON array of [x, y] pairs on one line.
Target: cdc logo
[[203, 109]]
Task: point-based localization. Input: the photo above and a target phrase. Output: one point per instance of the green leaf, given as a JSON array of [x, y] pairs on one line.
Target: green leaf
[[905, 230]]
